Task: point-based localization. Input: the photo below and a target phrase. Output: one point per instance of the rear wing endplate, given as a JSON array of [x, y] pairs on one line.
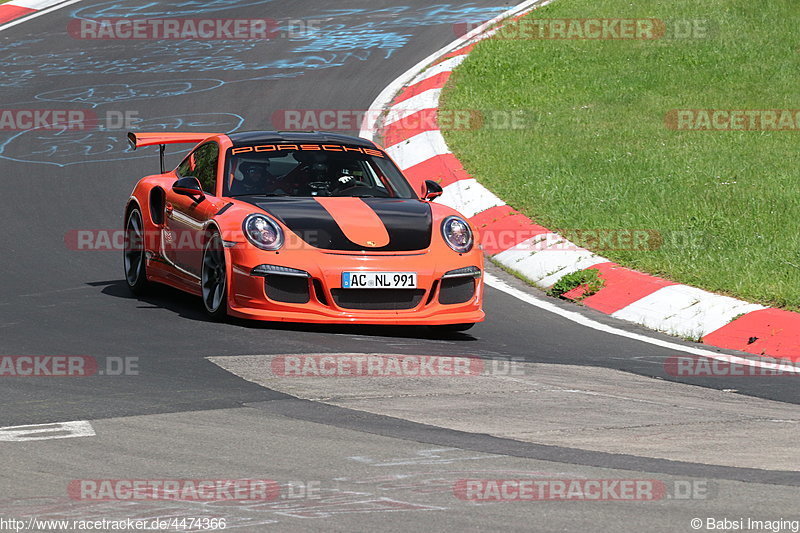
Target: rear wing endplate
[[137, 140]]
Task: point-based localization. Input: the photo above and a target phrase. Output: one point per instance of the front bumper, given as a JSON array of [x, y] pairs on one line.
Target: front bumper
[[327, 303]]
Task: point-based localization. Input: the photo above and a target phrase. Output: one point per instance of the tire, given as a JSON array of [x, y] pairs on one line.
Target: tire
[[213, 279], [451, 328], [134, 254]]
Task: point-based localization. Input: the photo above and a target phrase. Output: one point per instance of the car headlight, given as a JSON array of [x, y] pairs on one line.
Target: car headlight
[[263, 232], [457, 234]]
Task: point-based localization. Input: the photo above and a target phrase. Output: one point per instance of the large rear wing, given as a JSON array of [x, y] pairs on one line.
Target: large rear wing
[[137, 140]]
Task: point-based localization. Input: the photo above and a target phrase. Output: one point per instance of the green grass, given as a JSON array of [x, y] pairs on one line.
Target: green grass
[[599, 156], [589, 278]]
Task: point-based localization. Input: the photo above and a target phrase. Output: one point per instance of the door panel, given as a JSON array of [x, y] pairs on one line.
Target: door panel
[[186, 218]]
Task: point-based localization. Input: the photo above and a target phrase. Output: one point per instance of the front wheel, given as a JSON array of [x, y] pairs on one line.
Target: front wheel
[[448, 328], [213, 281], [135, 269]]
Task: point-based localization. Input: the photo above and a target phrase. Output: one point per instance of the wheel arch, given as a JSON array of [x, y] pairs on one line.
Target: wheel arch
[[212, 227], [133, 203]]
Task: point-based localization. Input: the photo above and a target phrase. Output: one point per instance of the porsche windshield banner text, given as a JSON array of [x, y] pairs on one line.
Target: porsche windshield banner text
[[306, 148]]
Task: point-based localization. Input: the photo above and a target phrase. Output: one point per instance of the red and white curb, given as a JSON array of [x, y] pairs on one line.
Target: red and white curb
[[11, 12], [656, 303]]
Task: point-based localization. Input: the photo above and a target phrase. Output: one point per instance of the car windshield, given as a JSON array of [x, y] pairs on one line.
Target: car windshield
[[309, 170]]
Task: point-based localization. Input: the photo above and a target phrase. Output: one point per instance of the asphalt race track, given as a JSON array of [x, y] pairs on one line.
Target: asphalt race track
[[586, 403]]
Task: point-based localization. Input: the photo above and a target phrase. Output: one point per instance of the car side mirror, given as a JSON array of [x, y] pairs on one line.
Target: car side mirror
[[431, 190], [188, 186]]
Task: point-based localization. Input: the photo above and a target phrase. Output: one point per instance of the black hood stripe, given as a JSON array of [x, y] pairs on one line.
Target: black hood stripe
[[408, 222]]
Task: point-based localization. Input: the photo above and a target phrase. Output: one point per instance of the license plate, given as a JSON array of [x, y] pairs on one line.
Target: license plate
[[379, 280]]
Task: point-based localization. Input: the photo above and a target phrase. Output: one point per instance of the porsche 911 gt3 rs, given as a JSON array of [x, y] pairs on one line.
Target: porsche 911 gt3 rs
[[301, 227]]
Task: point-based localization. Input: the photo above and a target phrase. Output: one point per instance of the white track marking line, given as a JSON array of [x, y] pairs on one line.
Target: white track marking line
[[578, 318], [60, 430], [32, 16]]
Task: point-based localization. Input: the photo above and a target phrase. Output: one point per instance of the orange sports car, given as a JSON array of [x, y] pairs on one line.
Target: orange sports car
[[301, 227]]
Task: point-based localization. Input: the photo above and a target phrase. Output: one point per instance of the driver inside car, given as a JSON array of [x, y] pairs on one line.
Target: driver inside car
[[310, 176], [255, 179], [348, 175]]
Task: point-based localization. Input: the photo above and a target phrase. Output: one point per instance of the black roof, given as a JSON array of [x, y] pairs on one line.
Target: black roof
[[249, 137]]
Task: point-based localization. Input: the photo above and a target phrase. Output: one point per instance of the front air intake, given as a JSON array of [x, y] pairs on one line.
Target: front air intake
[[287, 289], [378, 299]]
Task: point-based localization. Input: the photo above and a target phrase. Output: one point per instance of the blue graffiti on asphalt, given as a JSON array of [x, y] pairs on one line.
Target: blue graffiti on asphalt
[[189, 57], [66, 147], [342, 36], [384, 28], [334, 43], [95, 95], [23, 43], [187, 8], [18, 49], [408, 16]]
